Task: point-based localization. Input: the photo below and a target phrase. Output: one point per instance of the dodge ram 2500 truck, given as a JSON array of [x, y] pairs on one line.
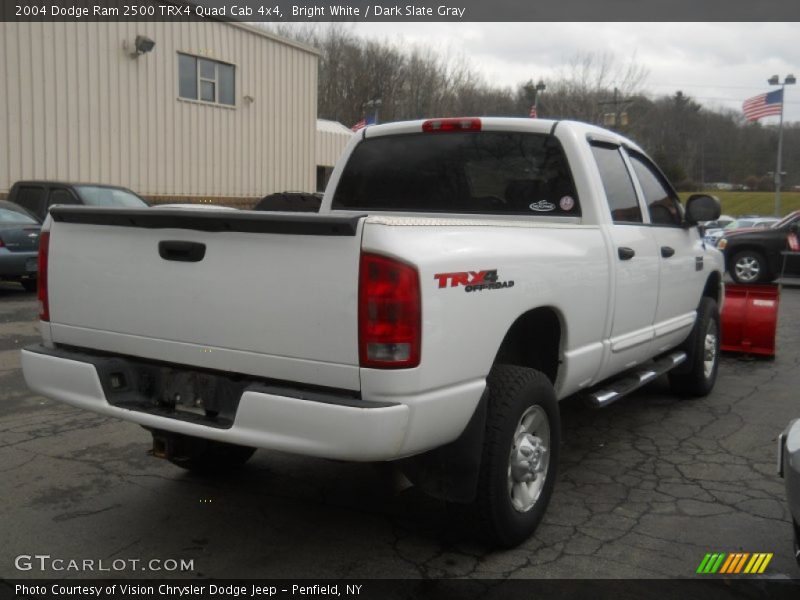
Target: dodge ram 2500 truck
[[462, 277]]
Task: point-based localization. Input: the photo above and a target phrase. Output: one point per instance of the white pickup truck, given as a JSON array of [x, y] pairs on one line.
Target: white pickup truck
[[462, 276]]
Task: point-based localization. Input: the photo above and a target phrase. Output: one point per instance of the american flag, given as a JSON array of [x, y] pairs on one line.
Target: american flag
[[532, 114], [763, 105], [363, 123]]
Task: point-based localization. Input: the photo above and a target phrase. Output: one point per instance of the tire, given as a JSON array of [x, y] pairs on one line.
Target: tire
[[203, 456], [697, 376], [512, 493], [749, 266], [28, 284]]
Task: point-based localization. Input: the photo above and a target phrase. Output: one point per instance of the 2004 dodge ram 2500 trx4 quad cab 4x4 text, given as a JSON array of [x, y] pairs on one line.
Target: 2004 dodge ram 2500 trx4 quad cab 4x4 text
[[462, 276]]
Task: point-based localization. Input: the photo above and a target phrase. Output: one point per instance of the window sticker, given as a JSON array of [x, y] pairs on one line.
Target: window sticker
[[567, 203], [542, 206]]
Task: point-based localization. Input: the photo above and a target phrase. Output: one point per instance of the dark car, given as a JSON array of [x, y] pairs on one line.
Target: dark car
[[756, 256], [290, 202], [19, 245], [38, 196]]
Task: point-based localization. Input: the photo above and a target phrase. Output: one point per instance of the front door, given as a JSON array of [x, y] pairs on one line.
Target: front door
[[635, 264]]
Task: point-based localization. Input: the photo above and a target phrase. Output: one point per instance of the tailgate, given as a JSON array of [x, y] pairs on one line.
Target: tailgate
[[273, 295]]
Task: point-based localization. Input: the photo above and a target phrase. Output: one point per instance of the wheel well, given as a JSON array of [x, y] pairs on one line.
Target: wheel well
[[534, 341], [712, 287]]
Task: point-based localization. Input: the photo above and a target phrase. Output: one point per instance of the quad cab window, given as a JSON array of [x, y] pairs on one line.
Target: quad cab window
[[460, 172]]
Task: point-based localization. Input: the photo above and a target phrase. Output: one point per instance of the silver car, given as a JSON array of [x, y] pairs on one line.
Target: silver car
[[713, 236], [789, 469]]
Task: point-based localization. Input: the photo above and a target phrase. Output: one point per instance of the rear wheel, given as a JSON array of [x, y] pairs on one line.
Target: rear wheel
[[520, 455], [702, 350], [749, 266]]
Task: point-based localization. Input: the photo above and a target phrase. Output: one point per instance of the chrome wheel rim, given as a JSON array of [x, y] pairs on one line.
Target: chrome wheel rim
[[747, 269], [710, 349], [529, 459]]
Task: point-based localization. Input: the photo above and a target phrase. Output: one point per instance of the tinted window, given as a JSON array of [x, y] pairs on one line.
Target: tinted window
[[93, 195], [620, 193], [31, 198], [663, 206], [187, 76], [459, 172], [61, 196]]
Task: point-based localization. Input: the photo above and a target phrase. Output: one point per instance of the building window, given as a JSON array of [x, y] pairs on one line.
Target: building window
[[206, 80]]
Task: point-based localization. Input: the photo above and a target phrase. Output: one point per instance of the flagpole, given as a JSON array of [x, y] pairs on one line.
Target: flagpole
[[780, 157], [774, 80]]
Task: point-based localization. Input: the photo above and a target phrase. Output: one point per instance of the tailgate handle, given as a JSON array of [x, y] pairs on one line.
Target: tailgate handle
[[182, 251]]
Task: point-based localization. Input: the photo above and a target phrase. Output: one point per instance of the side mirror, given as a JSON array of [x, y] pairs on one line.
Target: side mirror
[[702, 207]]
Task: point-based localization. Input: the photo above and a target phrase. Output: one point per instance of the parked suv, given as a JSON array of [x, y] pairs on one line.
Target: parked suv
[[755, 256], [38, 196]]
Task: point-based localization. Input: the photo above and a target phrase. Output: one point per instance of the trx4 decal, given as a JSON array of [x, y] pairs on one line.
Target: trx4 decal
[[473, 281]]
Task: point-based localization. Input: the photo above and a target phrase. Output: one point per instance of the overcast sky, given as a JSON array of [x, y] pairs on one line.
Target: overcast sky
[[718, 64]]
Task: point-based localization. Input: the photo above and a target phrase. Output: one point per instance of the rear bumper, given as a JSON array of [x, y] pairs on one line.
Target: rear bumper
[[15, 264], [331, 428]]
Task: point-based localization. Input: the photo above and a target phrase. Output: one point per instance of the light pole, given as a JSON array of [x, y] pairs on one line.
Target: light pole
[[376, 104], [540, 87], [532, 91], [774, 80]]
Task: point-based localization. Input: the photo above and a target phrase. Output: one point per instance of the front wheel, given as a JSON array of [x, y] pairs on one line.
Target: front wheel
[[749, 266], [520, 454], [697, 378]]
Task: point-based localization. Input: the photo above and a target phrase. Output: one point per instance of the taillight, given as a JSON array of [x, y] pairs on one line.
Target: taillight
[[44, 304], [389, 313], [460, 124]]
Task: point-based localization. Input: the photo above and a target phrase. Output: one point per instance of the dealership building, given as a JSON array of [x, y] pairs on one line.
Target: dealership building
[[204, 111]]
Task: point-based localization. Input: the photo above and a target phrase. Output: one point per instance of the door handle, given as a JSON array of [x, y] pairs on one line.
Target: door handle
[[625, 253], [182, 251], [666, 251]]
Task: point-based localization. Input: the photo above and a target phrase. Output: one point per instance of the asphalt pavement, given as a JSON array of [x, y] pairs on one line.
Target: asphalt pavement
[[646, 488]]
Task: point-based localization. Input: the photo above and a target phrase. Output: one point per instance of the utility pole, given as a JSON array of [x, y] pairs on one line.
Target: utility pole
[[617, 103]]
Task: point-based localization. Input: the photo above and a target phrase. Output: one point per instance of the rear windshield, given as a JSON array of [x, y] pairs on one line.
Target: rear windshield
[[94, 195], [9, 215], [459, 172]]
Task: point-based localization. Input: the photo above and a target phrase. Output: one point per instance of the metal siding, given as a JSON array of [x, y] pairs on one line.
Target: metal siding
[[77, 107], [330, 145]]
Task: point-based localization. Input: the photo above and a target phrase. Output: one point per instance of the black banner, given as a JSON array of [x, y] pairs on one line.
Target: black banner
[[402, 11], [707, 588]]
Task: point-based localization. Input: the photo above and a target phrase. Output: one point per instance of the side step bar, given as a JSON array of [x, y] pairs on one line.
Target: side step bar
[[630, 381]]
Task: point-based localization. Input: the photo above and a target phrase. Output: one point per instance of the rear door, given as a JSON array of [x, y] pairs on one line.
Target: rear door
[[682, 270], [636, 264]]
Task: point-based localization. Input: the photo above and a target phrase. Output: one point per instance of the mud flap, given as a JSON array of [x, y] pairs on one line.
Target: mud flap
[[451, 472]]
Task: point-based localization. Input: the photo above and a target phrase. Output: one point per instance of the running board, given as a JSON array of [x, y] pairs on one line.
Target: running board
[[630, 381]]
